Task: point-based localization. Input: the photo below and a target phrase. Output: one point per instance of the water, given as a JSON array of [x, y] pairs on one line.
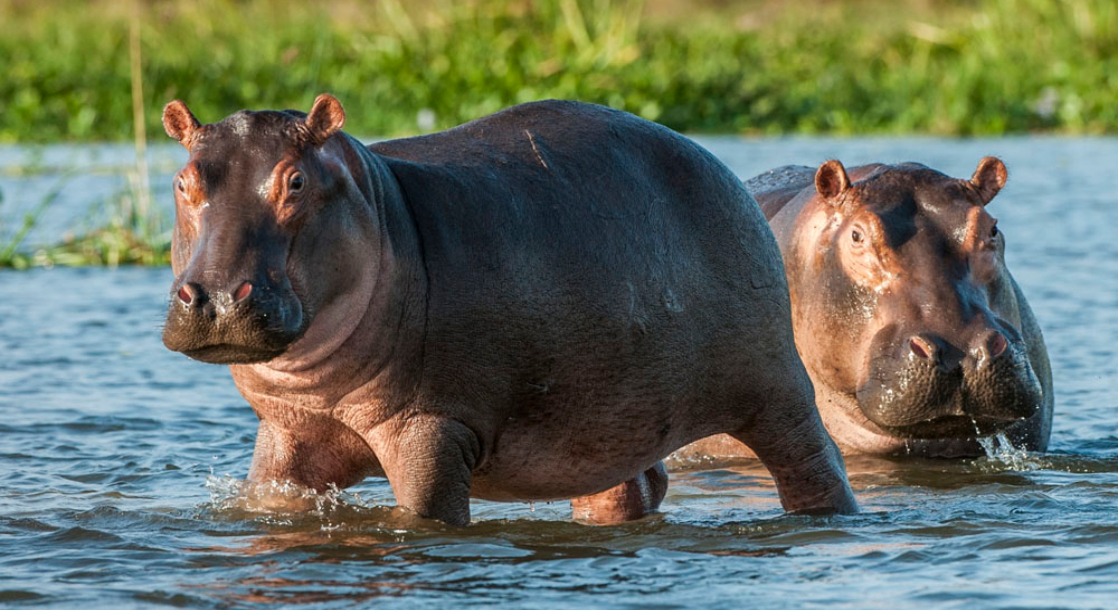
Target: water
[[120, 462]]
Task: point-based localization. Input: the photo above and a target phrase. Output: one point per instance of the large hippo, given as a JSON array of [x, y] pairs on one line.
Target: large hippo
[[916, 336], [538, 305]]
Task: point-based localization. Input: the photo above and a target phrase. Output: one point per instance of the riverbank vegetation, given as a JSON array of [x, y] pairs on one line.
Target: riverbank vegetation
[[101, 71], [127, 233], [954, 67]]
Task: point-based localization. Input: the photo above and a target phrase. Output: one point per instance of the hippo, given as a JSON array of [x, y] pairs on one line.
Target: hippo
[[917, 338], [538, 305]]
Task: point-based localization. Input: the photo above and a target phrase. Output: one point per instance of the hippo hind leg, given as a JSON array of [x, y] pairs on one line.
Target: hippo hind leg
[[628, 501], [788, 436]]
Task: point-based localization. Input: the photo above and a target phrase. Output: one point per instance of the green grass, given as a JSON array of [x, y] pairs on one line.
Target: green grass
[[951, 67], [945, 67]]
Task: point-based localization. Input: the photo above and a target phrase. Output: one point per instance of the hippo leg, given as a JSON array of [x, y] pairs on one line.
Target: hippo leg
[[428, 461], [628, 501], [316, 456], [788, 436]]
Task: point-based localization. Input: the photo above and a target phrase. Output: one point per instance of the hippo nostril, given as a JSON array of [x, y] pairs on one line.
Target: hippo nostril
[[187, 294], [242, 291], [997, 345], [921, 348]]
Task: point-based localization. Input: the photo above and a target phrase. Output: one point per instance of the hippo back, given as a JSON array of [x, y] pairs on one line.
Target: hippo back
[[775, 188], [573, 246]]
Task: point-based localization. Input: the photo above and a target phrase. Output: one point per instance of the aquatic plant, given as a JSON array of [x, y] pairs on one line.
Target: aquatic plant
[[126, 238], [131, 234]]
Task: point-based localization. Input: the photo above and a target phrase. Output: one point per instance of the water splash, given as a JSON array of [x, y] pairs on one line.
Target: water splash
[[275, 498], [1002, 452]]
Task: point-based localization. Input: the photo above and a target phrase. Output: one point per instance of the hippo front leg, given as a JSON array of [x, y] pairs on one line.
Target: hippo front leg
[[628, 501], [429, 462], [788, 436], [314, 454]]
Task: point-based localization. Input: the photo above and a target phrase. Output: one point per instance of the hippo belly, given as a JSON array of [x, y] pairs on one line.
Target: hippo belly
[[600, 390], [556, 459]]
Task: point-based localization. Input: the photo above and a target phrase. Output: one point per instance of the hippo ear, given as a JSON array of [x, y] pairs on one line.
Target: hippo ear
[[831, 179], [179, 122], [989, 178], [326, 117]]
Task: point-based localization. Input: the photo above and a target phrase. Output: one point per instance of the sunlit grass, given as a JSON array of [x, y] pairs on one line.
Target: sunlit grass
[[946, 67], [951, 67]]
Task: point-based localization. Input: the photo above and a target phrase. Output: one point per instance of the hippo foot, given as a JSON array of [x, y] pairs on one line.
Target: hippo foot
[[628, 501]]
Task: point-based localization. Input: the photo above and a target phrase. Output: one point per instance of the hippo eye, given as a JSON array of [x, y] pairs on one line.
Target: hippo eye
[[856, 235], [295, 183], [179, 184], [994, 230]]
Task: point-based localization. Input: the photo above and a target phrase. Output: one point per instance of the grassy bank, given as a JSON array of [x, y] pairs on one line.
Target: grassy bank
[[926, 66], [83, 71]]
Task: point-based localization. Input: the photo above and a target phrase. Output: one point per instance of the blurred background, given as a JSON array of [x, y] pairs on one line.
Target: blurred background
[[100, 72], [952, 67]]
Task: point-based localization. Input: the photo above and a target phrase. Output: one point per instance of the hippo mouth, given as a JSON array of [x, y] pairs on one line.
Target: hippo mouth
[[256, 329], [227, 353], [952, 426], [247, 341]]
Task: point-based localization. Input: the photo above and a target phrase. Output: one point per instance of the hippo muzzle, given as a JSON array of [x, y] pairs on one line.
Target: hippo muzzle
[[248, 322], [922, 386], [234, 302]]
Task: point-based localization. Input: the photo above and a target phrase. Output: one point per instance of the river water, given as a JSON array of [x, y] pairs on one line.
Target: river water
[[120, 462]]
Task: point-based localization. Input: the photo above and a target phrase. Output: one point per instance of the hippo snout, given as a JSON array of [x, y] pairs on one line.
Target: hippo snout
[[243, 321], [923, 386]]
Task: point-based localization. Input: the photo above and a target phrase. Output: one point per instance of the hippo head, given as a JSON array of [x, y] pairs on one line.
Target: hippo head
[[260, 232], [908, 304]]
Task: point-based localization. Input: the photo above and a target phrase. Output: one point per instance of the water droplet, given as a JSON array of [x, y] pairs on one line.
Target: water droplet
[[1005, 455]]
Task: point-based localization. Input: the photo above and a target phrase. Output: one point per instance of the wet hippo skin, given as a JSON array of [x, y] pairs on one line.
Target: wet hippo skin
[[538, 305], [916, 336]]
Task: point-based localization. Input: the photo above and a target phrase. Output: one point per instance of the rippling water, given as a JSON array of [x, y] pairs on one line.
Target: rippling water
[[120, 462]]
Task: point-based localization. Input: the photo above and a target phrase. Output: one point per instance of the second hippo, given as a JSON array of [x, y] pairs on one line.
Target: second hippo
[[917, 338]]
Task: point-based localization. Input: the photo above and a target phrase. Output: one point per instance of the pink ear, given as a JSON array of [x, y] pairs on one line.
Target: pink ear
[[179, 122], [326, 117], [989, 178], [831, 179]]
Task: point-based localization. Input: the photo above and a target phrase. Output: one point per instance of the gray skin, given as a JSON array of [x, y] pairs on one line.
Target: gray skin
[[916, 337], [538, 305]]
